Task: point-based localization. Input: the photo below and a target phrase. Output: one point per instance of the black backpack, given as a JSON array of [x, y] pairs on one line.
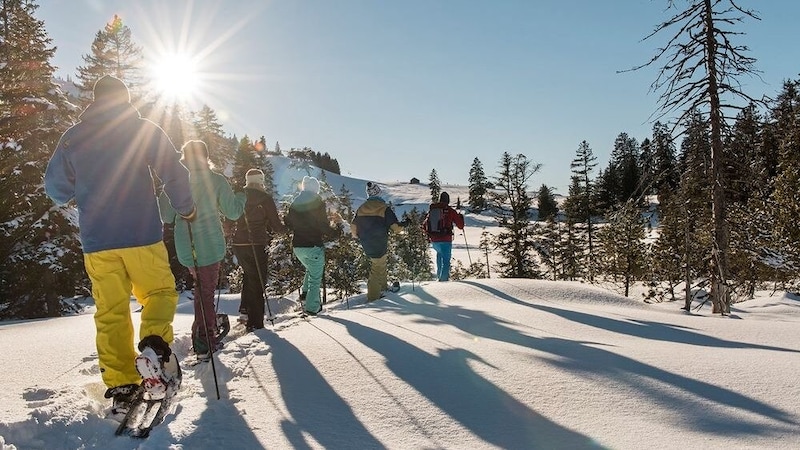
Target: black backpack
[[438, 220]]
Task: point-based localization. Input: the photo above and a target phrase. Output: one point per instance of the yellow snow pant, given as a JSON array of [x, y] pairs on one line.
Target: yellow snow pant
[[116, 273], [377, 278]]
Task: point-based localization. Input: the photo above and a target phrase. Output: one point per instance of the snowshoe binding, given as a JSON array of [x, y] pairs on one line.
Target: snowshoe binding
[[161, 380]]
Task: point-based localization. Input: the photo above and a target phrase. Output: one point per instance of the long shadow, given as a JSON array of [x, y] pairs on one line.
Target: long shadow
[[584, 357], [449, 382], [218, 415], [654, 330], [314, 406], [640, 328]]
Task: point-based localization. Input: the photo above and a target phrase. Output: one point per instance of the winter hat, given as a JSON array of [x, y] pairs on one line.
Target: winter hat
[[310, 184], [444, 197], [254, 177], [373, 190], [112, 89]]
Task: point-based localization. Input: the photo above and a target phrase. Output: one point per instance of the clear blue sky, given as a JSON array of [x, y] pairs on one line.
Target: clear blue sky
[[393, 89]]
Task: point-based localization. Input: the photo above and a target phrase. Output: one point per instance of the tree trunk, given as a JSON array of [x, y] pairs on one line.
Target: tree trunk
[[720, 295], [686, 271]]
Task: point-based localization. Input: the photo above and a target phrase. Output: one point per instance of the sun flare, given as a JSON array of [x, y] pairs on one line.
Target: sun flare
[[176, 77]]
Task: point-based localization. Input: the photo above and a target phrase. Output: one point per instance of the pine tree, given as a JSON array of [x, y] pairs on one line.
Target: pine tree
[[515, 242], [670, 252], [486, 245], [665, 176], [694, 191], [244, 160], [114, 53], [749, 187], [623, 253], [435, 185], [412, 248], [743, 158], [285, 270], [605, 189], [786, 129], [625, 160], [209, 130], [582, 198], [477, 187], [345, 262], [548, 208], [269, 177], [547, 246], [646, 166], [40, 255], [572, 251]]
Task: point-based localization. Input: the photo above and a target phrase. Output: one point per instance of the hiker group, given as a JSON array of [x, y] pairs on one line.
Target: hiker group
[[127, 180]]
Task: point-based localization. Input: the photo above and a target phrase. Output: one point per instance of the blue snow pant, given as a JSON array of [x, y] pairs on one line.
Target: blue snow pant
[[443, 251], [313, 259]]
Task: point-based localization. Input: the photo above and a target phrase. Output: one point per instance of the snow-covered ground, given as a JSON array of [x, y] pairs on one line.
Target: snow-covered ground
[[500, 363], [493, 363]]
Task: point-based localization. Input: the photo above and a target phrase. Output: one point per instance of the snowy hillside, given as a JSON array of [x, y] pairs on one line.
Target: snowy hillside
[[68, 87], [403, 196]]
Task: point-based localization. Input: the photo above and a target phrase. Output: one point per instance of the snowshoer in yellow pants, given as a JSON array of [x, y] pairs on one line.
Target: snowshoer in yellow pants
[[114, 275]]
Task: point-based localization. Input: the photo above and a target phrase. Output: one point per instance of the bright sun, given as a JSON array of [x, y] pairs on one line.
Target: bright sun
[[176, 77]]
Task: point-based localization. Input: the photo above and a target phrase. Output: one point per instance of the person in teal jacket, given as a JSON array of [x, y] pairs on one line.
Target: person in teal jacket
[[200, 244]]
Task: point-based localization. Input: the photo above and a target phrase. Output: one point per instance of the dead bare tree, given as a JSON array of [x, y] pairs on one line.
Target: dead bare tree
[[701, 72]]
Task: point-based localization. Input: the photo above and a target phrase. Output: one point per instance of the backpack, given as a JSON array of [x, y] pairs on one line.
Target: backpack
[[439, 221]]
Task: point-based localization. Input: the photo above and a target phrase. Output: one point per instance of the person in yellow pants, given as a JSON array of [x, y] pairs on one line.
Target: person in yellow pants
[[106, 163], [114, 274]]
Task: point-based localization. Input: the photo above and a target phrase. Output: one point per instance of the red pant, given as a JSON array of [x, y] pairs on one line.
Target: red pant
[[204, 332]]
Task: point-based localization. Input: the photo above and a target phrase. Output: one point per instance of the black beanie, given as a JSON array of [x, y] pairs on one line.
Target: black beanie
[[109, 88], [444, 197]]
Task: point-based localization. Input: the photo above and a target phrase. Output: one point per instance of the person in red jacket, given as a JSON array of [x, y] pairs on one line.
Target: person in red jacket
[[439, 226]]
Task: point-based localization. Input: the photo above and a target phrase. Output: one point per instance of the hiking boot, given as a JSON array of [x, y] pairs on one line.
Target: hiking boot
[[204, 354], [202, 350], [314, 313], [157, 343], [122, 397], [223, 326], [158, 366], [242, 318], [251, 328]]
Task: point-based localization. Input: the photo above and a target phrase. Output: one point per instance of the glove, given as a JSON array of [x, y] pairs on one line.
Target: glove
[[191, 216]]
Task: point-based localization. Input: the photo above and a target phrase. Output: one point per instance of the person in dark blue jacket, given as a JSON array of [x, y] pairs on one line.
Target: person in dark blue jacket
[[104, 163], [373, 221]]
